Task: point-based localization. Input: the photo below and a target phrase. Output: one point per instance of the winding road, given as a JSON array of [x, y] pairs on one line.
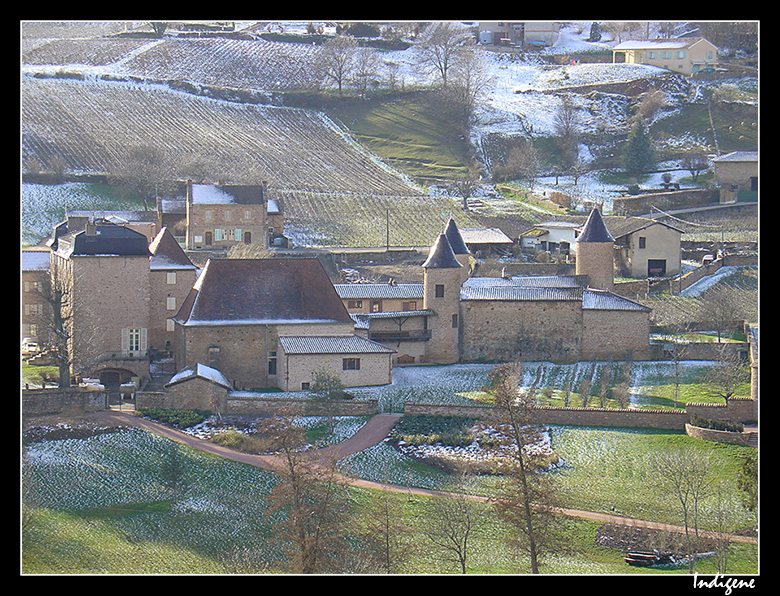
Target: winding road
[[373, 432]]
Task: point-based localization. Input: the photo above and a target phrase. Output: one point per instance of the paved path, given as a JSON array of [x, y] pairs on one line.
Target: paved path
[[371, 433]]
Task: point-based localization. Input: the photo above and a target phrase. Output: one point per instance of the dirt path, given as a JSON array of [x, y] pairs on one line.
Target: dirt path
[[370, 434]]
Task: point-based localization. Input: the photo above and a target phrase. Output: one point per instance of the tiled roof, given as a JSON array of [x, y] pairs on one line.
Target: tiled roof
[[602, 300], [108, 240], [346, 344], [530, 281], [227, 194], [262, 291], [35, 260], [738, 156], [379, 290], [485, 236], [520, 293]]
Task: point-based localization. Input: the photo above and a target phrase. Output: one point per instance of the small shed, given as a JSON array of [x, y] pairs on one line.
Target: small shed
[[198, 387]]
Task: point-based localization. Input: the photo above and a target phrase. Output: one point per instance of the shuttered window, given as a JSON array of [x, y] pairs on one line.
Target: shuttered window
[[133, 342]]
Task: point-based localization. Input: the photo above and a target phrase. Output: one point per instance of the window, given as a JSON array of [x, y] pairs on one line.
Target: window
[[209, 214], [411, 305], [376, 306], [350, 364], [305, 386], [237, 234], [170, 325], [248, 215], [227, 215], [217, 235], [439, 291], [455, 321], [642, 242], [680, 54], [170, 278], [133, 342], [354, 304], [272, 362], [170, 303]]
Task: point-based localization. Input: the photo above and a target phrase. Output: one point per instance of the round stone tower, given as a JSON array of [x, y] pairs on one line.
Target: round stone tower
[[441, 294], [596, 253]]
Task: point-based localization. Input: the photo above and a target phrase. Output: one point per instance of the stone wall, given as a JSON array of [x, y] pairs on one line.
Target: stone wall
[[520, 330], [717, 436], [248, 404], [37, 402], [639, 204], [602, 417]]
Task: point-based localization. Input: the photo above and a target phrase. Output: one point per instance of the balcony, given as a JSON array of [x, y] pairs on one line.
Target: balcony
[[400, 335]]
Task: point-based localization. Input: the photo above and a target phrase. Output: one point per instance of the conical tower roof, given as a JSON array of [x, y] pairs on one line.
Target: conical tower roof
[[594, 229], [441, 256], [455, 239]]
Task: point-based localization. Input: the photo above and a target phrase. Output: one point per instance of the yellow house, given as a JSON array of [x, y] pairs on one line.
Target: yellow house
[[686, 56]]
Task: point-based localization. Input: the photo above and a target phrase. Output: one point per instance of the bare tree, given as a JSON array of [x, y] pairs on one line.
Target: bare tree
[[517, 502], [366, 69], [309, 503], [684, 475], [144, 173], [465, 186], [383, 534], [450, 525], [326, 391], [724, 379], [337, 60], [440, 45]]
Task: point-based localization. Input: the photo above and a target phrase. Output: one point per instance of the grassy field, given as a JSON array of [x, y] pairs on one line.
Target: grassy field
[[104, 504], [410, 133]]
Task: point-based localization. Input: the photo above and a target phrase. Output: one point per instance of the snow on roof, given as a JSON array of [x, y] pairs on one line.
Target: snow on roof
[[200, 371], [35, 260], [379, 290]]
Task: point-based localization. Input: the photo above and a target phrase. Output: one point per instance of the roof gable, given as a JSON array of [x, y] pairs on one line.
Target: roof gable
[[262, 291], [166, 252]]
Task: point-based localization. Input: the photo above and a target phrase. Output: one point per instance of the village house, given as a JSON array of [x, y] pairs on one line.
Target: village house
[[643, 247], [521, 34], [119, 294], [222, 215], [736, 175], [473, 319], [36, 308], [686, 56]]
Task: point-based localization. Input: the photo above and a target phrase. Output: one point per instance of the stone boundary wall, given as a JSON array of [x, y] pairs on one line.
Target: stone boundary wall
[[602, 417], [738, 410], [638, 204], [717, 436], [247, 405], [37, 402]]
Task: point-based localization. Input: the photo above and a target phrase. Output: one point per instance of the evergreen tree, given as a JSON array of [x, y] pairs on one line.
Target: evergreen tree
[[639, 150]]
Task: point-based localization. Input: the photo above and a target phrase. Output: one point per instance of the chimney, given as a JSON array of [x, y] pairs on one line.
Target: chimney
[[264, 190], [189, 190], [90, 228]]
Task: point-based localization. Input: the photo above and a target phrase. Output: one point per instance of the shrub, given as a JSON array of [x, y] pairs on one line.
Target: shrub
[[177, 418], [726, 425]]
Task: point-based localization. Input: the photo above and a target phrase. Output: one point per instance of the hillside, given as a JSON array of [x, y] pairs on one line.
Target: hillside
[[214, 107]]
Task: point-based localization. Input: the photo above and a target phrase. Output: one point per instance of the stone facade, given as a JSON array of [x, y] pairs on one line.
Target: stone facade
[[504, 331], [222, 215]]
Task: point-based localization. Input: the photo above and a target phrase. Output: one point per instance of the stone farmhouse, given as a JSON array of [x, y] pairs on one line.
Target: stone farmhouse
[[453, 317]]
